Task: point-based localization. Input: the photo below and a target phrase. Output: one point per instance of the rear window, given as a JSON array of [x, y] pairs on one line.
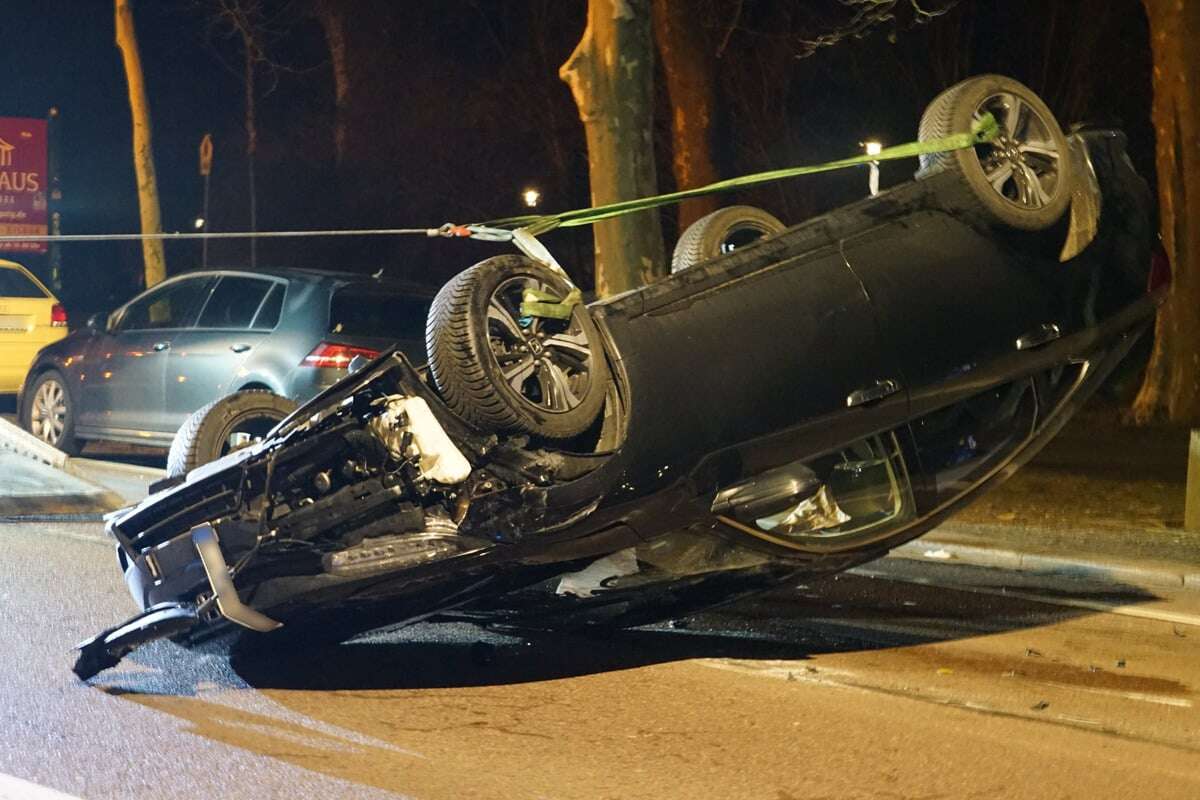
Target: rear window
[[15, 284], [375, 312]]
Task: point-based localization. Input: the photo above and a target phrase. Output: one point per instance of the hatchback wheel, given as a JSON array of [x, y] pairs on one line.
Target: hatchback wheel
[[225, 425], [49, 413]]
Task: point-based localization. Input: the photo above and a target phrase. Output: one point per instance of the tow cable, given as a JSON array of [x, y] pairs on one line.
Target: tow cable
[[522, 231]]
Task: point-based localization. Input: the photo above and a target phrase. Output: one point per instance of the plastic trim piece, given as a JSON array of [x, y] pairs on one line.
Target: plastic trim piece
[[228, 602]]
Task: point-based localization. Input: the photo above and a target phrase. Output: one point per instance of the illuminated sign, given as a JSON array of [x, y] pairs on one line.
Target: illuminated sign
[[22, 183]]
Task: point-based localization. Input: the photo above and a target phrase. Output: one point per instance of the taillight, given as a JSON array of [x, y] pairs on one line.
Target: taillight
[[58, 316], [335, 356], [1160, 269]]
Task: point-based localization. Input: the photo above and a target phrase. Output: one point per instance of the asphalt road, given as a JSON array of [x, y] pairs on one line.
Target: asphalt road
[[901, 681]]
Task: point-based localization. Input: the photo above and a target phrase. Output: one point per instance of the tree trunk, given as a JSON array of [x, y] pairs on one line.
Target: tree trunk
[[143, 155], [251, 55], [1171, 388], [687, 59], [611, 74], [332, 16]]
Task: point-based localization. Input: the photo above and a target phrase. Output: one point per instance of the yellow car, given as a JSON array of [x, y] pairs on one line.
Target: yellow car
[[30, 318]]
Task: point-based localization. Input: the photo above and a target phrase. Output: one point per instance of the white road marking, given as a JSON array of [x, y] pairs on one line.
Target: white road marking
[[1141, 697], [90, 538], [13, 788]]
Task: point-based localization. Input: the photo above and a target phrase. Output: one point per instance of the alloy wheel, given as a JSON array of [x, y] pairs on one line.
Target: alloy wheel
[[1022, 162], [547, 362], [48, 412]]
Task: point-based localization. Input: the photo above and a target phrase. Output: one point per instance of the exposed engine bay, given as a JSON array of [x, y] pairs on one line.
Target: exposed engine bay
[[363, 481]]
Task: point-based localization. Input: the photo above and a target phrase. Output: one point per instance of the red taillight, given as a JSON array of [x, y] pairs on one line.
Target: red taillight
[[335, 356], [1160, 269], [58, 316]]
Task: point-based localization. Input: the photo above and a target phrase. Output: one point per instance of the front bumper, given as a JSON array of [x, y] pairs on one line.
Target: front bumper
[[165, 618]]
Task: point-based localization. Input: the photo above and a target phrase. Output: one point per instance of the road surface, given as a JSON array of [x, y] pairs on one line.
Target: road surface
[[899, 681]]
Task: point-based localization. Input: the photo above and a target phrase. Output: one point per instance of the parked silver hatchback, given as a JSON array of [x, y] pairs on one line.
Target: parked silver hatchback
[[272, 338]]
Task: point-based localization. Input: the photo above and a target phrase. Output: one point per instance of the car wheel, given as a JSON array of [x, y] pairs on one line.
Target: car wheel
[[225, 425], [49, 413], [1021, 179], [722, 231], [502, 371]]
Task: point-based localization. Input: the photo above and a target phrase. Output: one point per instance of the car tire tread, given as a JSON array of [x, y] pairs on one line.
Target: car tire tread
[[198, 439], [463, 367]]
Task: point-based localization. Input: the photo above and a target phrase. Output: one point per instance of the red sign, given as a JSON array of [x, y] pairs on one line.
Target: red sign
[[23, 182]]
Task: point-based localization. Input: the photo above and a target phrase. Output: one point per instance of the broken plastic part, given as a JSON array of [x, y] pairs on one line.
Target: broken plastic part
[[591, 578], [107, 648], [812, 514], [1085, 201], [439, 458], [228, 602]]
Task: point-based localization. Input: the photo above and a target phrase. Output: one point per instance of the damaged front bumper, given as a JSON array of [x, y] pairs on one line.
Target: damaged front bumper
[[168, 619]]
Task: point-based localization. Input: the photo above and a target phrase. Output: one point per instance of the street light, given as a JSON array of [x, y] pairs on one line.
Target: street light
[[532, 197], [873, 148], [199, 223]]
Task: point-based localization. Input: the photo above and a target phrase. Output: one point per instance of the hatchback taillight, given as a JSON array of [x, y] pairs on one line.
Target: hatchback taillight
[[58, 316], [1160, 269], [335, 356]]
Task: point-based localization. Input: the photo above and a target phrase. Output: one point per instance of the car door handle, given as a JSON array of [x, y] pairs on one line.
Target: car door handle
[[1043, 334], [870, 394], [239, 348], [160, 346]]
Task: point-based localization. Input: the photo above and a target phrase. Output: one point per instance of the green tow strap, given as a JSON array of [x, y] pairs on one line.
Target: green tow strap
[[983, 130], [535, 303]]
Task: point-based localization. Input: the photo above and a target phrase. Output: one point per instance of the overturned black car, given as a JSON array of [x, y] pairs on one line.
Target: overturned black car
[[788, 402]]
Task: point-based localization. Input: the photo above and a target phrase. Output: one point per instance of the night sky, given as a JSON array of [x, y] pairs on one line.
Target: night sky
[[460, 106], [62, 54]]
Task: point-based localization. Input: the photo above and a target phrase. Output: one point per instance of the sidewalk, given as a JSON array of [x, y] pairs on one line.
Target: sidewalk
[[1101, 500]]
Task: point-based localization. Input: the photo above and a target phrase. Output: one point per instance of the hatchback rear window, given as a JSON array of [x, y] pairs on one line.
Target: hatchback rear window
[[375, 312], [14, 284]]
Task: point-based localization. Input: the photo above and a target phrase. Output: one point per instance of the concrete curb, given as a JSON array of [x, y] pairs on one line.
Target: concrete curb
[[1166, 575], [92, 494], [24, 443]]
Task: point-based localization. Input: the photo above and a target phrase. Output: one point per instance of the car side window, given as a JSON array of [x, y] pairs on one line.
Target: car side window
[[172, 306], [233, 303]]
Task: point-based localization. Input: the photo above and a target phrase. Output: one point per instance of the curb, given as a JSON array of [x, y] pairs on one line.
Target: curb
[[1174, 576], [25, 445]]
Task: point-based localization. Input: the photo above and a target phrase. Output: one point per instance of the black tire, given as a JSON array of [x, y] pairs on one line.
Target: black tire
[[204, 437], [557, 376], [720, 232], [48, 412], [1031, 151]]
